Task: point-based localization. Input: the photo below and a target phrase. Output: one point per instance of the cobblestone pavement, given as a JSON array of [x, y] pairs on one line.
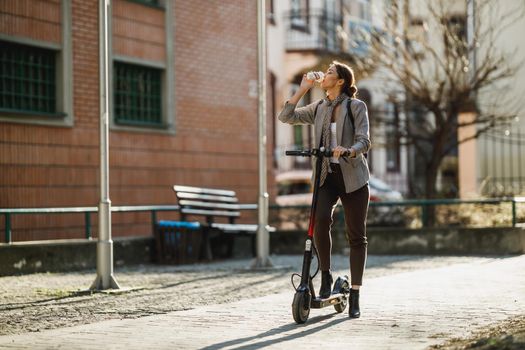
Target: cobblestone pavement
[[408, 302]]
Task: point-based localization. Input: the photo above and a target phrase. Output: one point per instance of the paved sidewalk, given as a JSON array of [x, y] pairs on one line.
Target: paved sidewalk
[[410, 310]]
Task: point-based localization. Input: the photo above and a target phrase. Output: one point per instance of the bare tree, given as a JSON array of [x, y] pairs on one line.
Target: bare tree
[[433, 64]]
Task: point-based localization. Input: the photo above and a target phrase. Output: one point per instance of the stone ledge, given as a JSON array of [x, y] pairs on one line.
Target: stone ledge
[[69, 255], [79, 254], [432, 241]]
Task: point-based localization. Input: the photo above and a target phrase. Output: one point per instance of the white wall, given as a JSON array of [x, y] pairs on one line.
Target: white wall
[[497, 159]]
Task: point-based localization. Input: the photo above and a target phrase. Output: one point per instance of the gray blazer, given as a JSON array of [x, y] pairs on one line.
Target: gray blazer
[[355, 170]]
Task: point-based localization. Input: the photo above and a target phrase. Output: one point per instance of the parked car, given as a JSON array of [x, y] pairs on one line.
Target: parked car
[[295, 188]]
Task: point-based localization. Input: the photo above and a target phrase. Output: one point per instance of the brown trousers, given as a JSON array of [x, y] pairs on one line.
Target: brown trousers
[[355, 206]]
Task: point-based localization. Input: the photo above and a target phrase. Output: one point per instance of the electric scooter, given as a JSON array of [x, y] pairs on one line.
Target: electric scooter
[[305, 298]]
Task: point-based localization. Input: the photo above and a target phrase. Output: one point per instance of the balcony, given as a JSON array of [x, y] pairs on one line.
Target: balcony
[[359, 36], [323, 32], [313, 30]]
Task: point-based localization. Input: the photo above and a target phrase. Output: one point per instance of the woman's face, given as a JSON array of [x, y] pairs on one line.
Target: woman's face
[[331, 79]]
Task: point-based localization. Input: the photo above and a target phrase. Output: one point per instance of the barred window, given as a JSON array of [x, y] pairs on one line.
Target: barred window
[[27, 79], [137, 96], [148, 2]]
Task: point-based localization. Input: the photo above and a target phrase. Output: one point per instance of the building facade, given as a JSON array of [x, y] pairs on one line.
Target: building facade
[[307, 35], [493, 164], [183, 78]]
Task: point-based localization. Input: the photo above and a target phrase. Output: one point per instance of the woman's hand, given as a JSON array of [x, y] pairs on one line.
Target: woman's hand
[[339, 150], [303, 89], [306, 84]]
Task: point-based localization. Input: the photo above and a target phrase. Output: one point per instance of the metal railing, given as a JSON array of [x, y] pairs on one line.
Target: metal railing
[[154, 209], [424, 204]]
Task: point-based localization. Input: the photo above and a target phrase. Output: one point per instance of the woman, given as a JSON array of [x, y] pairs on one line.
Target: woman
[[341, 178]]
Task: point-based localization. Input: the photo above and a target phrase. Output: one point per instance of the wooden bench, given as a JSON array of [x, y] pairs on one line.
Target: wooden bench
[[213, 204]]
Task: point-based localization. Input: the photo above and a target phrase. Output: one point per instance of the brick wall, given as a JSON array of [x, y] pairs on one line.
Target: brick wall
[[215, 140], [34, 19], [138, 31]]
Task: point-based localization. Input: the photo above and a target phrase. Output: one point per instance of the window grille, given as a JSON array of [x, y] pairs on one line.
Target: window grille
[[148, 2], [27, 79], [137, 96]]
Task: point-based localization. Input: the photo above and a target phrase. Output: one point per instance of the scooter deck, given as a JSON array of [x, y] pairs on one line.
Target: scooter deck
[[333, 299]]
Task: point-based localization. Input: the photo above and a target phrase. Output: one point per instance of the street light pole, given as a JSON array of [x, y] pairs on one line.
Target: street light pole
[[104, 279], [263, 237], [472, 37]]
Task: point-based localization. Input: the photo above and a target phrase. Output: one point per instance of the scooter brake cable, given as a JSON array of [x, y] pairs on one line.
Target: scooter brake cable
[[298, 275]]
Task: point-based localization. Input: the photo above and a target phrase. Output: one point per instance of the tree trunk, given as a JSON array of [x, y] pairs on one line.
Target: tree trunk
[[429, 214]]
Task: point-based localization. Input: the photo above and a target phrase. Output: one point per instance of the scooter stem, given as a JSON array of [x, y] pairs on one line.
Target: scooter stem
[[317, 182], [307, 258]]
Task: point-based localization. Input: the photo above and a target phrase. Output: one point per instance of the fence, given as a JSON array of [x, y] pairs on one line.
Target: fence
[[87, 211], [503, 164], [154, 209]]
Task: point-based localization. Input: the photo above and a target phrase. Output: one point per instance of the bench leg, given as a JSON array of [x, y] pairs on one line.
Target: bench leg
[[159, 236], [229, 239], [254, 246], [206, 246]]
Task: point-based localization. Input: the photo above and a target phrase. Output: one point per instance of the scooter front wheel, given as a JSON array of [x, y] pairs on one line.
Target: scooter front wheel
[[301, 307]]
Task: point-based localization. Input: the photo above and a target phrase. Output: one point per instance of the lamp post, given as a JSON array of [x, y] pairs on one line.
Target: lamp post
[[263, 238], [105, 278]]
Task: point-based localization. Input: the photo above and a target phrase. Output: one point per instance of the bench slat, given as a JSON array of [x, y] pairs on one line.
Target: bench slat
[[244, 228], [197, 204], [200, 190], [204, 197], [235, 228], [210, 212]]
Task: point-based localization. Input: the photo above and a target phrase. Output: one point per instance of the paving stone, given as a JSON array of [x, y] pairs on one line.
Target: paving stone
[[406, 308]]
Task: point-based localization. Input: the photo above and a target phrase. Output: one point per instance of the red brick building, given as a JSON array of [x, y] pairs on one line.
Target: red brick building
[[184, 112]]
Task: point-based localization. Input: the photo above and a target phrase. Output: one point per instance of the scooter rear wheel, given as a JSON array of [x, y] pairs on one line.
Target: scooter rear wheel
[[341, 306], [342, 286], [301, 307]]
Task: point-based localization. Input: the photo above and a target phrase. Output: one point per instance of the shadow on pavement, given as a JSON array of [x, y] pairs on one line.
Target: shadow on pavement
[[298, 332]]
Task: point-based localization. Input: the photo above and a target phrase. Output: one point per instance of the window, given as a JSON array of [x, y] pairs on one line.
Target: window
[[148, 2], [302, 134], [364, 10], [298, 136], [299, 14], [271, 12], [137, 95], [417, 35], [27, 79], [455, 35], [393, 148], [360, 37]]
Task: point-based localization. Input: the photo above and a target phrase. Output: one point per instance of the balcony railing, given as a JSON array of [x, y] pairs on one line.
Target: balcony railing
[[359, 36], [313, 30], [321, 31]]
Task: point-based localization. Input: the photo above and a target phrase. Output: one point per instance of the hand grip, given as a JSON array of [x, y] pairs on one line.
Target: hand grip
[[314, 152], [301, 153]]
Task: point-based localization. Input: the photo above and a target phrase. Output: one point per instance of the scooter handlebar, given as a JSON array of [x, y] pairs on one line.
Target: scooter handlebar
[[299, 153], [314, 152]]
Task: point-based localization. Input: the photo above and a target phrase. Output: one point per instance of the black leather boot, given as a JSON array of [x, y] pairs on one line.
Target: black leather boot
[[354, 311], [326, 284]]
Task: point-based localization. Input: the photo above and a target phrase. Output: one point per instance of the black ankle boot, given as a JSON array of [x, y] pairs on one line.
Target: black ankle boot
[[326, 284], [354, 311]]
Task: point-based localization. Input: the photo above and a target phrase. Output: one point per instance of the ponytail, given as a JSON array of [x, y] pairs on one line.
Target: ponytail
[[347, 74]]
